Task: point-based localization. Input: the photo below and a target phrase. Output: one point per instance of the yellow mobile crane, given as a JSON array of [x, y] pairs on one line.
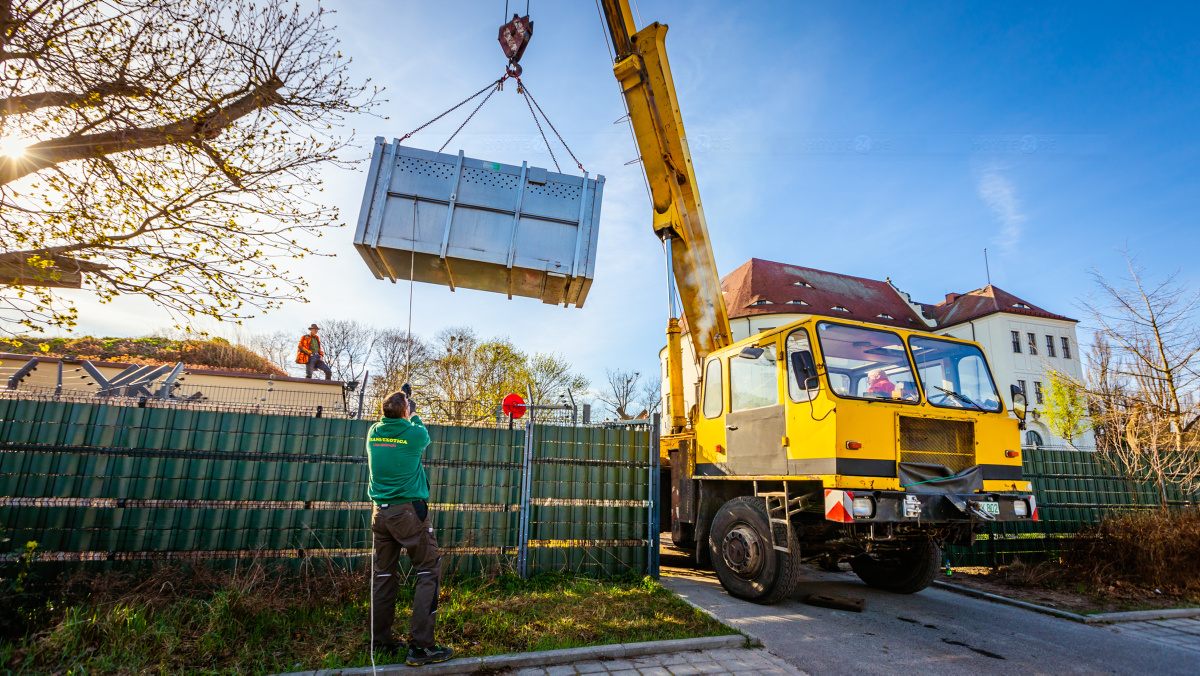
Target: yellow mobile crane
[[821, 439]]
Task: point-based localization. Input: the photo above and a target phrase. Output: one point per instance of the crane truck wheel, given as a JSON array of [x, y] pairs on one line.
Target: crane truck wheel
[[905, 572], [746, 563]]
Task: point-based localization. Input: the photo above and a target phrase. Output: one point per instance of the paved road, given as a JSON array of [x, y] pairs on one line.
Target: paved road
[[933, 632]]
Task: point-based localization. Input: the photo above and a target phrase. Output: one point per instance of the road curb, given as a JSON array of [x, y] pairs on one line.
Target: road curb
[[469, 665], [751, 640], [1099, 618]]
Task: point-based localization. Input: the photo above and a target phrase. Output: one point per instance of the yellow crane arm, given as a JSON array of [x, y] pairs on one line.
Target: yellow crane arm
[[642, 70]]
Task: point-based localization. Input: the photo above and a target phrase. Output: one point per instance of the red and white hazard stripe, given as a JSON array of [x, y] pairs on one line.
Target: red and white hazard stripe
[[839, 506]]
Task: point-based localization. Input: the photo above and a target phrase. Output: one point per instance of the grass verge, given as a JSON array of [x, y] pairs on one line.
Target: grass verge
[[257, 620]]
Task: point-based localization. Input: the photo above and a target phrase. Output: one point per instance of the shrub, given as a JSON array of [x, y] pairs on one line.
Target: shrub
[[1155, 549]]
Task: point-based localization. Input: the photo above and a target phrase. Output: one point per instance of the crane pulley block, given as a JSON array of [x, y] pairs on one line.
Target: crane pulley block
[[514, 38]]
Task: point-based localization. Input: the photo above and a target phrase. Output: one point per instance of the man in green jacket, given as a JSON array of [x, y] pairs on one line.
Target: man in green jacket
[[399, 490]]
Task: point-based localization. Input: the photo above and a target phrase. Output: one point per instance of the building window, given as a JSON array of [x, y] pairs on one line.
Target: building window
[[839, 308], [804, 284], [1021, 386], [1016, 342], [1037, 392], [1049, 346], [796, 302], [1021, 306], [762, 302], [1066, 346], [1033, 439], [1032, 343]]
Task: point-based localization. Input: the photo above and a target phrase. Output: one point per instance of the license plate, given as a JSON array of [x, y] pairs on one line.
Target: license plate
[[992, 508]]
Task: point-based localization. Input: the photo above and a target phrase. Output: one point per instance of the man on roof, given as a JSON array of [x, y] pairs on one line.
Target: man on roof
[[311, 355]]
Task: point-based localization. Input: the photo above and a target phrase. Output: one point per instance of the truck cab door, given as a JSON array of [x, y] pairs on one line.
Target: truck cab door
[[757, 419]]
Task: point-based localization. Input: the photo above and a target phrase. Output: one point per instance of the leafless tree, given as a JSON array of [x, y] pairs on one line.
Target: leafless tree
[[549, 376], [279, 348], [651, 395], [400, 358], [172, 151], [348, 345], [621, 392], [1143, 384]]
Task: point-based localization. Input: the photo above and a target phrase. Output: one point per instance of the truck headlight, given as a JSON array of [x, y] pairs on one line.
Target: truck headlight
[[863, 507], [1021, 508]]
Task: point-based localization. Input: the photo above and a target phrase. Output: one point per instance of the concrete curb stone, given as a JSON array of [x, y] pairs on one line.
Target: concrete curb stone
[[469, 665], [1099, 618], [752, 640]]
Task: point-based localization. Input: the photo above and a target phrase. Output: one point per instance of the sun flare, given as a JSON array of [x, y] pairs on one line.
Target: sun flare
[[13, 147]]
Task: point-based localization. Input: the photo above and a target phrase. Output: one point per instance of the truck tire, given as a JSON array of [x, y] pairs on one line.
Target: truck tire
[[742, 556], [907, 573]]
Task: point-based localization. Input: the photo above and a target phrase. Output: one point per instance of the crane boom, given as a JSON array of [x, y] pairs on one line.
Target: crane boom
[[644, 74]]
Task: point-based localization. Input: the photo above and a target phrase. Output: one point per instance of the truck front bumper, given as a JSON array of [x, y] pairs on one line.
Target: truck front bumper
[[871, 506]]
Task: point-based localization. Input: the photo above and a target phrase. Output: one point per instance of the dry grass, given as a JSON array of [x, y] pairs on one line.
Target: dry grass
[[262, 619], [1154, 549]]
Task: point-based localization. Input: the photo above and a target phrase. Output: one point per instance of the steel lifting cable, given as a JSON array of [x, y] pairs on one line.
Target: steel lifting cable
[[539, 126], [495, 89], [529, 97], [491, 85]]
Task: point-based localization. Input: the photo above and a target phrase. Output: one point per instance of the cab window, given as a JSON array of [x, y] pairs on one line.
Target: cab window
[[753, 381], [797, 341], [712, 388], [867, 363]]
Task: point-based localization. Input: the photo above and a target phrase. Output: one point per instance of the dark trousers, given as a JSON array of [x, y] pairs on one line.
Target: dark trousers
[[394, 527], [315, 363]]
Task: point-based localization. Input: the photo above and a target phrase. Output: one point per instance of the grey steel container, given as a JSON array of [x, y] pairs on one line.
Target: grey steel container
[[462, 222]]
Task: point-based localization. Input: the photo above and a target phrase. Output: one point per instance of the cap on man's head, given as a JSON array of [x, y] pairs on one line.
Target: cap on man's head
[[314, 326]]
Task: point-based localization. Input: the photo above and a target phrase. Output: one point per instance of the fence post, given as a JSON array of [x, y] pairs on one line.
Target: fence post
[[654, 492], [523, 519]]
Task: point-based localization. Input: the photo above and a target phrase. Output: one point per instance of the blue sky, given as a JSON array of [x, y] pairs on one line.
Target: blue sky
[[868, 138]]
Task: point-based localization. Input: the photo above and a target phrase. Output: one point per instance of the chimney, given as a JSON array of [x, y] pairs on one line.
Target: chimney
[[951, 297]]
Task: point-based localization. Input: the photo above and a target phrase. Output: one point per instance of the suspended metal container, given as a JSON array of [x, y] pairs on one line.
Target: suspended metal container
[[462, 222]]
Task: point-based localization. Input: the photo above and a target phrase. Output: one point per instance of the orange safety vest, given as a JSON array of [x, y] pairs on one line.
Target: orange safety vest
[[305, 348]]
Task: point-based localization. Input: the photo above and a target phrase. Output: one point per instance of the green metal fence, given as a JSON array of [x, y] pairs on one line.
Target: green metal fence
[[1074, 490], [94, 482]]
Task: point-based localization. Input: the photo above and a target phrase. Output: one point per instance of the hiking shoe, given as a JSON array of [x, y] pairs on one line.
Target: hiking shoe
[[431, 655]]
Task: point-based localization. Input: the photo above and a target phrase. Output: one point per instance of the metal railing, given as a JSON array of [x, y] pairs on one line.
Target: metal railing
[[280, 399]]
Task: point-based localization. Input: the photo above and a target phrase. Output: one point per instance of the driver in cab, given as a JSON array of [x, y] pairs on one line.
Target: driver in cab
[[881, 387]]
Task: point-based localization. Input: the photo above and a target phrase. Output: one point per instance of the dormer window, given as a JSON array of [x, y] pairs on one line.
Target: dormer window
[[804, 284], [884, 315], [762, 302], [1022, 306], [796, 302], [839, 308]]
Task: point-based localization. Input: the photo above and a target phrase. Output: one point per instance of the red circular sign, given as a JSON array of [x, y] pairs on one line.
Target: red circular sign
[[514, 405]]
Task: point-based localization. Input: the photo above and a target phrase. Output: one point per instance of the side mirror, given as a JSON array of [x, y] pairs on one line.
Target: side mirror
[[805, 370], [1019, 404], [751, 352]]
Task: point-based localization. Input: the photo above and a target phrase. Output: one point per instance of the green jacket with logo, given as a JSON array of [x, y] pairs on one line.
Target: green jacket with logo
[[394, 450]]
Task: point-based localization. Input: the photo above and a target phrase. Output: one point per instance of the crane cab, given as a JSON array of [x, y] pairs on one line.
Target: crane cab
[[854, 406]]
